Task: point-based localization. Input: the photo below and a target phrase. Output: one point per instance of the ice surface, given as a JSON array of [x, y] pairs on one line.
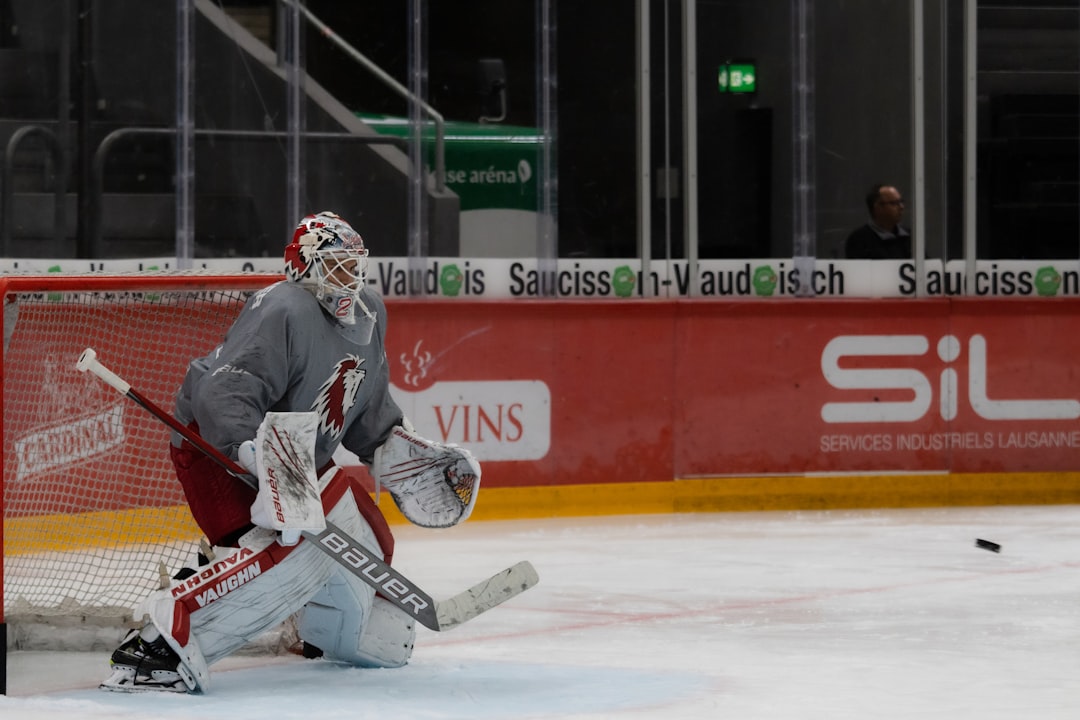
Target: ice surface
[[831, 615]]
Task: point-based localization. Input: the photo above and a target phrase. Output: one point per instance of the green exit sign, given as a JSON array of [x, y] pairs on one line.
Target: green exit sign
[[737, 77]]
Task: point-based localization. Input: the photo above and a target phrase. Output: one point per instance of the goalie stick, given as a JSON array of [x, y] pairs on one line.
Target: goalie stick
[[407, 596]]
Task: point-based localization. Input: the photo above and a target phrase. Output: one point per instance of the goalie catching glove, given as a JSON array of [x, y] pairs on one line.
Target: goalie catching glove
[[282, 456], [433, 484]]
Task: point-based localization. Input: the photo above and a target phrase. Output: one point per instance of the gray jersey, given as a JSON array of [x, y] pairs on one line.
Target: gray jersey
[[284, 354]]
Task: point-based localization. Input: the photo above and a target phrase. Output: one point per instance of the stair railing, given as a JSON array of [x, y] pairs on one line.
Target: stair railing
[[389, 81]]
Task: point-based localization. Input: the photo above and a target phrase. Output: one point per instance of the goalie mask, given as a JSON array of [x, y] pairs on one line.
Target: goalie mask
[[328, 257]]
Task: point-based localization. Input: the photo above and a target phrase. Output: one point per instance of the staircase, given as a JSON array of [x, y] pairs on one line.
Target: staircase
[[255, 17]]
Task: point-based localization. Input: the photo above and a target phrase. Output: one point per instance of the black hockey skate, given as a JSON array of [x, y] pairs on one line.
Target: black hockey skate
[[140, 665]]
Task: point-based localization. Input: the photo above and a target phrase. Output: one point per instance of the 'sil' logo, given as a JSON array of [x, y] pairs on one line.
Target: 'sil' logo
[[948, 350]]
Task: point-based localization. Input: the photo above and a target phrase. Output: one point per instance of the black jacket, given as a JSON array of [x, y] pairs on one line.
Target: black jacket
[[866, 244]]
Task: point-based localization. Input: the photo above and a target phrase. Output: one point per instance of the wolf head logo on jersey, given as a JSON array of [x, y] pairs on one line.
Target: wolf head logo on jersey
[[338, 394]]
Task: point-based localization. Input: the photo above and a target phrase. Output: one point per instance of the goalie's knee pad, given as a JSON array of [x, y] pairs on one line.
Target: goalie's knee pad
[[388, 637], [334, 618], [345, 620], [356, 628]]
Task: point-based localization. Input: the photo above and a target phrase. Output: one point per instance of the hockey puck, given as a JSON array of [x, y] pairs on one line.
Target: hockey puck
[[987, 545]]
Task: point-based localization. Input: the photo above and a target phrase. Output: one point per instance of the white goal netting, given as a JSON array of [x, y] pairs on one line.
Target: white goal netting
[[93, 513]]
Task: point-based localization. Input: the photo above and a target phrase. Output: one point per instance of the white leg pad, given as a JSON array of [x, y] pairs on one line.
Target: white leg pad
[[255, 589], [349, 624], [388, 637], [248, 591]]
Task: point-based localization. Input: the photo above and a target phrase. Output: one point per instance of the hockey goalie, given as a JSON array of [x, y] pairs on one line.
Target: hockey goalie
[[302, 371]]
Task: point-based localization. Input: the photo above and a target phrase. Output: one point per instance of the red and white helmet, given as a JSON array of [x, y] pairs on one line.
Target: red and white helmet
[[328, 257]]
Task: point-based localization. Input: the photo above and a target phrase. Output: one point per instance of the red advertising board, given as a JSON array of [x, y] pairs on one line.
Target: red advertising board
[[558, 393], [595, 408], [939, 385], [656, 390]]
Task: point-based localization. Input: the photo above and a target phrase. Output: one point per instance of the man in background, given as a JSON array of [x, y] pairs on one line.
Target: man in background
[[882, 237]]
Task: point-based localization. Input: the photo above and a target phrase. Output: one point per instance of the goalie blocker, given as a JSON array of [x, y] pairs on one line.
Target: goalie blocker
[[282, 457]]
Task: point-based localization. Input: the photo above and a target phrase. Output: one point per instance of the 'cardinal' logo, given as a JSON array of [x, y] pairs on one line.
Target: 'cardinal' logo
[[338, 394]]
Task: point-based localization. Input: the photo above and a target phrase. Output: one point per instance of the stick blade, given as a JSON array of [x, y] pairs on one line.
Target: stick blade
[[485, 595]]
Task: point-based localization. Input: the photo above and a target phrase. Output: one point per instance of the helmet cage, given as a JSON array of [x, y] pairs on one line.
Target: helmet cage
[[329, 258], [338, 277]]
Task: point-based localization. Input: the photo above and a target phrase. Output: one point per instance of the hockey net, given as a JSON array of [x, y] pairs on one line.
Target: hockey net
[[93, 513]]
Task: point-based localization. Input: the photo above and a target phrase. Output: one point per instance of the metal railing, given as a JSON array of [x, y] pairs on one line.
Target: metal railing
[[7, 191], [92, 245], [389, 81], [97, 188]]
